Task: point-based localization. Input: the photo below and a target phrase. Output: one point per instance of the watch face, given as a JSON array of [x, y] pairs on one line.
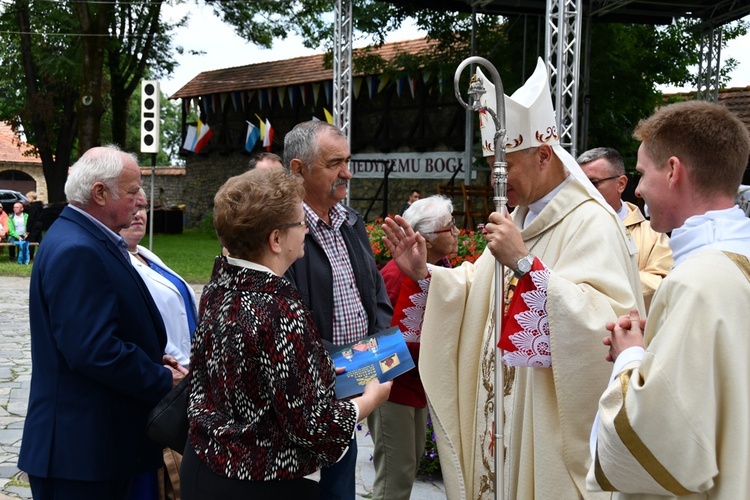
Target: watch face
[[524, 265]]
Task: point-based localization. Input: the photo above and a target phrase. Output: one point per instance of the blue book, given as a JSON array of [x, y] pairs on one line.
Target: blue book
[[381, 356]]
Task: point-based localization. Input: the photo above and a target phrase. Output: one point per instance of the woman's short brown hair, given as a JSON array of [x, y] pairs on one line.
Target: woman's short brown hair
[[248, 207]]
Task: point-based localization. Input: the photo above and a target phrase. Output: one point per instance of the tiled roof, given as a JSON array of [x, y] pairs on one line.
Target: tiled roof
[[737, 99], [282, 73], [10, 152]]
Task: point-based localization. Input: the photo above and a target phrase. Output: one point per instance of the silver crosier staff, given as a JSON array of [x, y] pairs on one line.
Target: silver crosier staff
[[500, 174]]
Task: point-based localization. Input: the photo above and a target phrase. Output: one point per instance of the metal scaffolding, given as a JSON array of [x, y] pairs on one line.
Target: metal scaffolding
[[342, 66], [563, 56], [709, 65]]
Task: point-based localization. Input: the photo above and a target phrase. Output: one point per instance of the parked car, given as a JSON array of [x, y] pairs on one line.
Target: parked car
[[8, 197]]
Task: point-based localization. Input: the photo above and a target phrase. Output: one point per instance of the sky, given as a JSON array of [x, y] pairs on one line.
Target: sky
[[224, 49]]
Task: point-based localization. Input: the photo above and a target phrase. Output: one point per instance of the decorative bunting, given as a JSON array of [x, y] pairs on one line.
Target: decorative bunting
[[329, 91], [293, 93], [426, 75], [357, 86], [223, 98], [249, 94], [316, 91], [385, 79], [281, 91], [400, 84], [207, 104], [304, 90], [412, 86], [329, 116], [372, 82], [262, 99], [237, 101]]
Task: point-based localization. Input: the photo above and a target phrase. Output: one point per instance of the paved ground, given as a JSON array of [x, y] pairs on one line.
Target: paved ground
[[15, 374]]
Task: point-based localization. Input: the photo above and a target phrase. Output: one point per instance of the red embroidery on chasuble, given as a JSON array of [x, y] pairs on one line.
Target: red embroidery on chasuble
[[525, 337]]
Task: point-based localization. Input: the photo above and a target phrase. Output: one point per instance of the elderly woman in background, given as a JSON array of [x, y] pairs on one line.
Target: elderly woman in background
[[398, 427], [263, 413], [172, 295], [175, 300]]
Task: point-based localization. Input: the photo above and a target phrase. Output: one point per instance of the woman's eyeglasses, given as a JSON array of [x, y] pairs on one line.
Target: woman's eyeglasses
[[302, 223], [449, 229]]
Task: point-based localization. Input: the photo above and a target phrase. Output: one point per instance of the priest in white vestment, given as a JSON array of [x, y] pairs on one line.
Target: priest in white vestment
[[572, 268], [605, 169], [675, 420]]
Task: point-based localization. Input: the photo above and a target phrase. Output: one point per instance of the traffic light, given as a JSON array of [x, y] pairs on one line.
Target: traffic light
[[150, 106]]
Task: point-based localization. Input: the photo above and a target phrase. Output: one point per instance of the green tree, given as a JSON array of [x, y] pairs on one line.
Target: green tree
[[628, 63], [39, 82]]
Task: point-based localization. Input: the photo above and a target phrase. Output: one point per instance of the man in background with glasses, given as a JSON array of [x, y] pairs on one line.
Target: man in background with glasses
[[606, 170], [337, 277]]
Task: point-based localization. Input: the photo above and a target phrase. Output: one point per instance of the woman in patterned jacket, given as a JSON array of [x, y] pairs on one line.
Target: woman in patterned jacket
[[262, 412]]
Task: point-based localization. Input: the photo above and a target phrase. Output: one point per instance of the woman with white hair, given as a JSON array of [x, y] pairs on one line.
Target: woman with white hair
[[398, 427]]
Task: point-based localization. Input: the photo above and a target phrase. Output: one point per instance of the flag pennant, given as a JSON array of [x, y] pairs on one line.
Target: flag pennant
[[269, 95], [237, 101], [400, 84], [268, 137], [329, 91], [384, 81], [251, 138], [262, 126], [281, 92], [412, 86], [293, 93], [329, 116], [206, 104], [372, 84], [315, 91], [261, 98], [304, 90], [426, 77], [204, 135], [357, 86], [223, 99], [190, 138]]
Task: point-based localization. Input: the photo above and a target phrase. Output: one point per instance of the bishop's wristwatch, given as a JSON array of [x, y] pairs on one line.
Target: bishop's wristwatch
[[523, 266]]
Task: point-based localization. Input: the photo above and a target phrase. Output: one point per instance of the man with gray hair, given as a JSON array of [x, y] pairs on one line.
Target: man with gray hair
[[337, 277], [606, 170], [97, 343]]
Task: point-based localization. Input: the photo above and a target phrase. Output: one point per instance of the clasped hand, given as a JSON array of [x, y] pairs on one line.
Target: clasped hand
[[178, 371], [626, 332]]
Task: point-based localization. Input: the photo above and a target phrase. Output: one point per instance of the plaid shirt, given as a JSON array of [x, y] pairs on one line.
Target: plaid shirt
[[349, 316]]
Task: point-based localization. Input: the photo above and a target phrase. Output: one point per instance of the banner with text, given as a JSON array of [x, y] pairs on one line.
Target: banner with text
[[440, 165]]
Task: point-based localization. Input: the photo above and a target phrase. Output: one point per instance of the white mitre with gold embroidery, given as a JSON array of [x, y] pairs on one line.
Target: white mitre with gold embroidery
[[530, 122]]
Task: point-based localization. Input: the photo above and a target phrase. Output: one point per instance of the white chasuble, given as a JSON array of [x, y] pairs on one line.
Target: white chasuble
[[593, 279]]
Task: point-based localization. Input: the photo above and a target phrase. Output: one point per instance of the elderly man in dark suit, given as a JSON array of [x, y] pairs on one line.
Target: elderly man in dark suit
[[97, 343]]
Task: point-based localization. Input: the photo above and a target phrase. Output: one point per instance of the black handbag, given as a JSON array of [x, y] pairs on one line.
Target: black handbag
[[167, 422]]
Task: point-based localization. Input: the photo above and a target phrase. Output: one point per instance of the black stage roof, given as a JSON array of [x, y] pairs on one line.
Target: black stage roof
[[711, 12]]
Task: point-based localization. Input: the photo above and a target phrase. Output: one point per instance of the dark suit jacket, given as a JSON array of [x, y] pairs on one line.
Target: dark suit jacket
[[313, 277], [96, 345]]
